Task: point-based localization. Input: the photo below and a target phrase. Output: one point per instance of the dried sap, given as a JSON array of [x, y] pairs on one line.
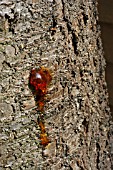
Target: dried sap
[[38, 82], [43, 136]]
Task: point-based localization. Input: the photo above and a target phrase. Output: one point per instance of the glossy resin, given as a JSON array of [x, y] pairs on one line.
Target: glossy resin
[[39, 80]]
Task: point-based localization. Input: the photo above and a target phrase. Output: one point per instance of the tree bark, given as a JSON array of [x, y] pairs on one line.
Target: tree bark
[[64, 36]]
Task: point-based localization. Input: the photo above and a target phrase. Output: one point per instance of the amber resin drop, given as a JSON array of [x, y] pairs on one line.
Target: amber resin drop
[[38, 82]]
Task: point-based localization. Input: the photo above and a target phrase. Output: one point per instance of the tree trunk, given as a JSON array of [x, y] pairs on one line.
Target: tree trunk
[[64, 36]]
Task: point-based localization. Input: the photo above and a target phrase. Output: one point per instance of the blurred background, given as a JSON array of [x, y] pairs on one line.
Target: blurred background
[[105, 8]]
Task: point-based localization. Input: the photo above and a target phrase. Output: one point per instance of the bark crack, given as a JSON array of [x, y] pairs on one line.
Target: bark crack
[[69, 28], [11, 21], [98, 155]]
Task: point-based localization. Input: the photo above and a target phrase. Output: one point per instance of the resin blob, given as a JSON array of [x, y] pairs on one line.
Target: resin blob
[[39, 80]]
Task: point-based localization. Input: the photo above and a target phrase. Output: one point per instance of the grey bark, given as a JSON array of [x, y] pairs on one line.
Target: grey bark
[[64, 36]]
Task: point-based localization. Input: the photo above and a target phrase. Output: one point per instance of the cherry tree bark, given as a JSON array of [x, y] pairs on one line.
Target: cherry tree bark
[[64, 36]]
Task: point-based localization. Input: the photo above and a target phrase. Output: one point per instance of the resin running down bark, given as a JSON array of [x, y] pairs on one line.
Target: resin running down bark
[[38, 82], [62, 36]]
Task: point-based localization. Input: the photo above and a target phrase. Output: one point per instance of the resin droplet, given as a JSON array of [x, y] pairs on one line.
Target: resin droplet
[[38, 82]]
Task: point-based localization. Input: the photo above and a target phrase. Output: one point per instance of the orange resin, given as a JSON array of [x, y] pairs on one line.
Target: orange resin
[[43, 136], [38, 82]]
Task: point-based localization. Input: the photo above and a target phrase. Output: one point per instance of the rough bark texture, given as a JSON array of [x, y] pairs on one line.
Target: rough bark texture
[[64, 36]]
